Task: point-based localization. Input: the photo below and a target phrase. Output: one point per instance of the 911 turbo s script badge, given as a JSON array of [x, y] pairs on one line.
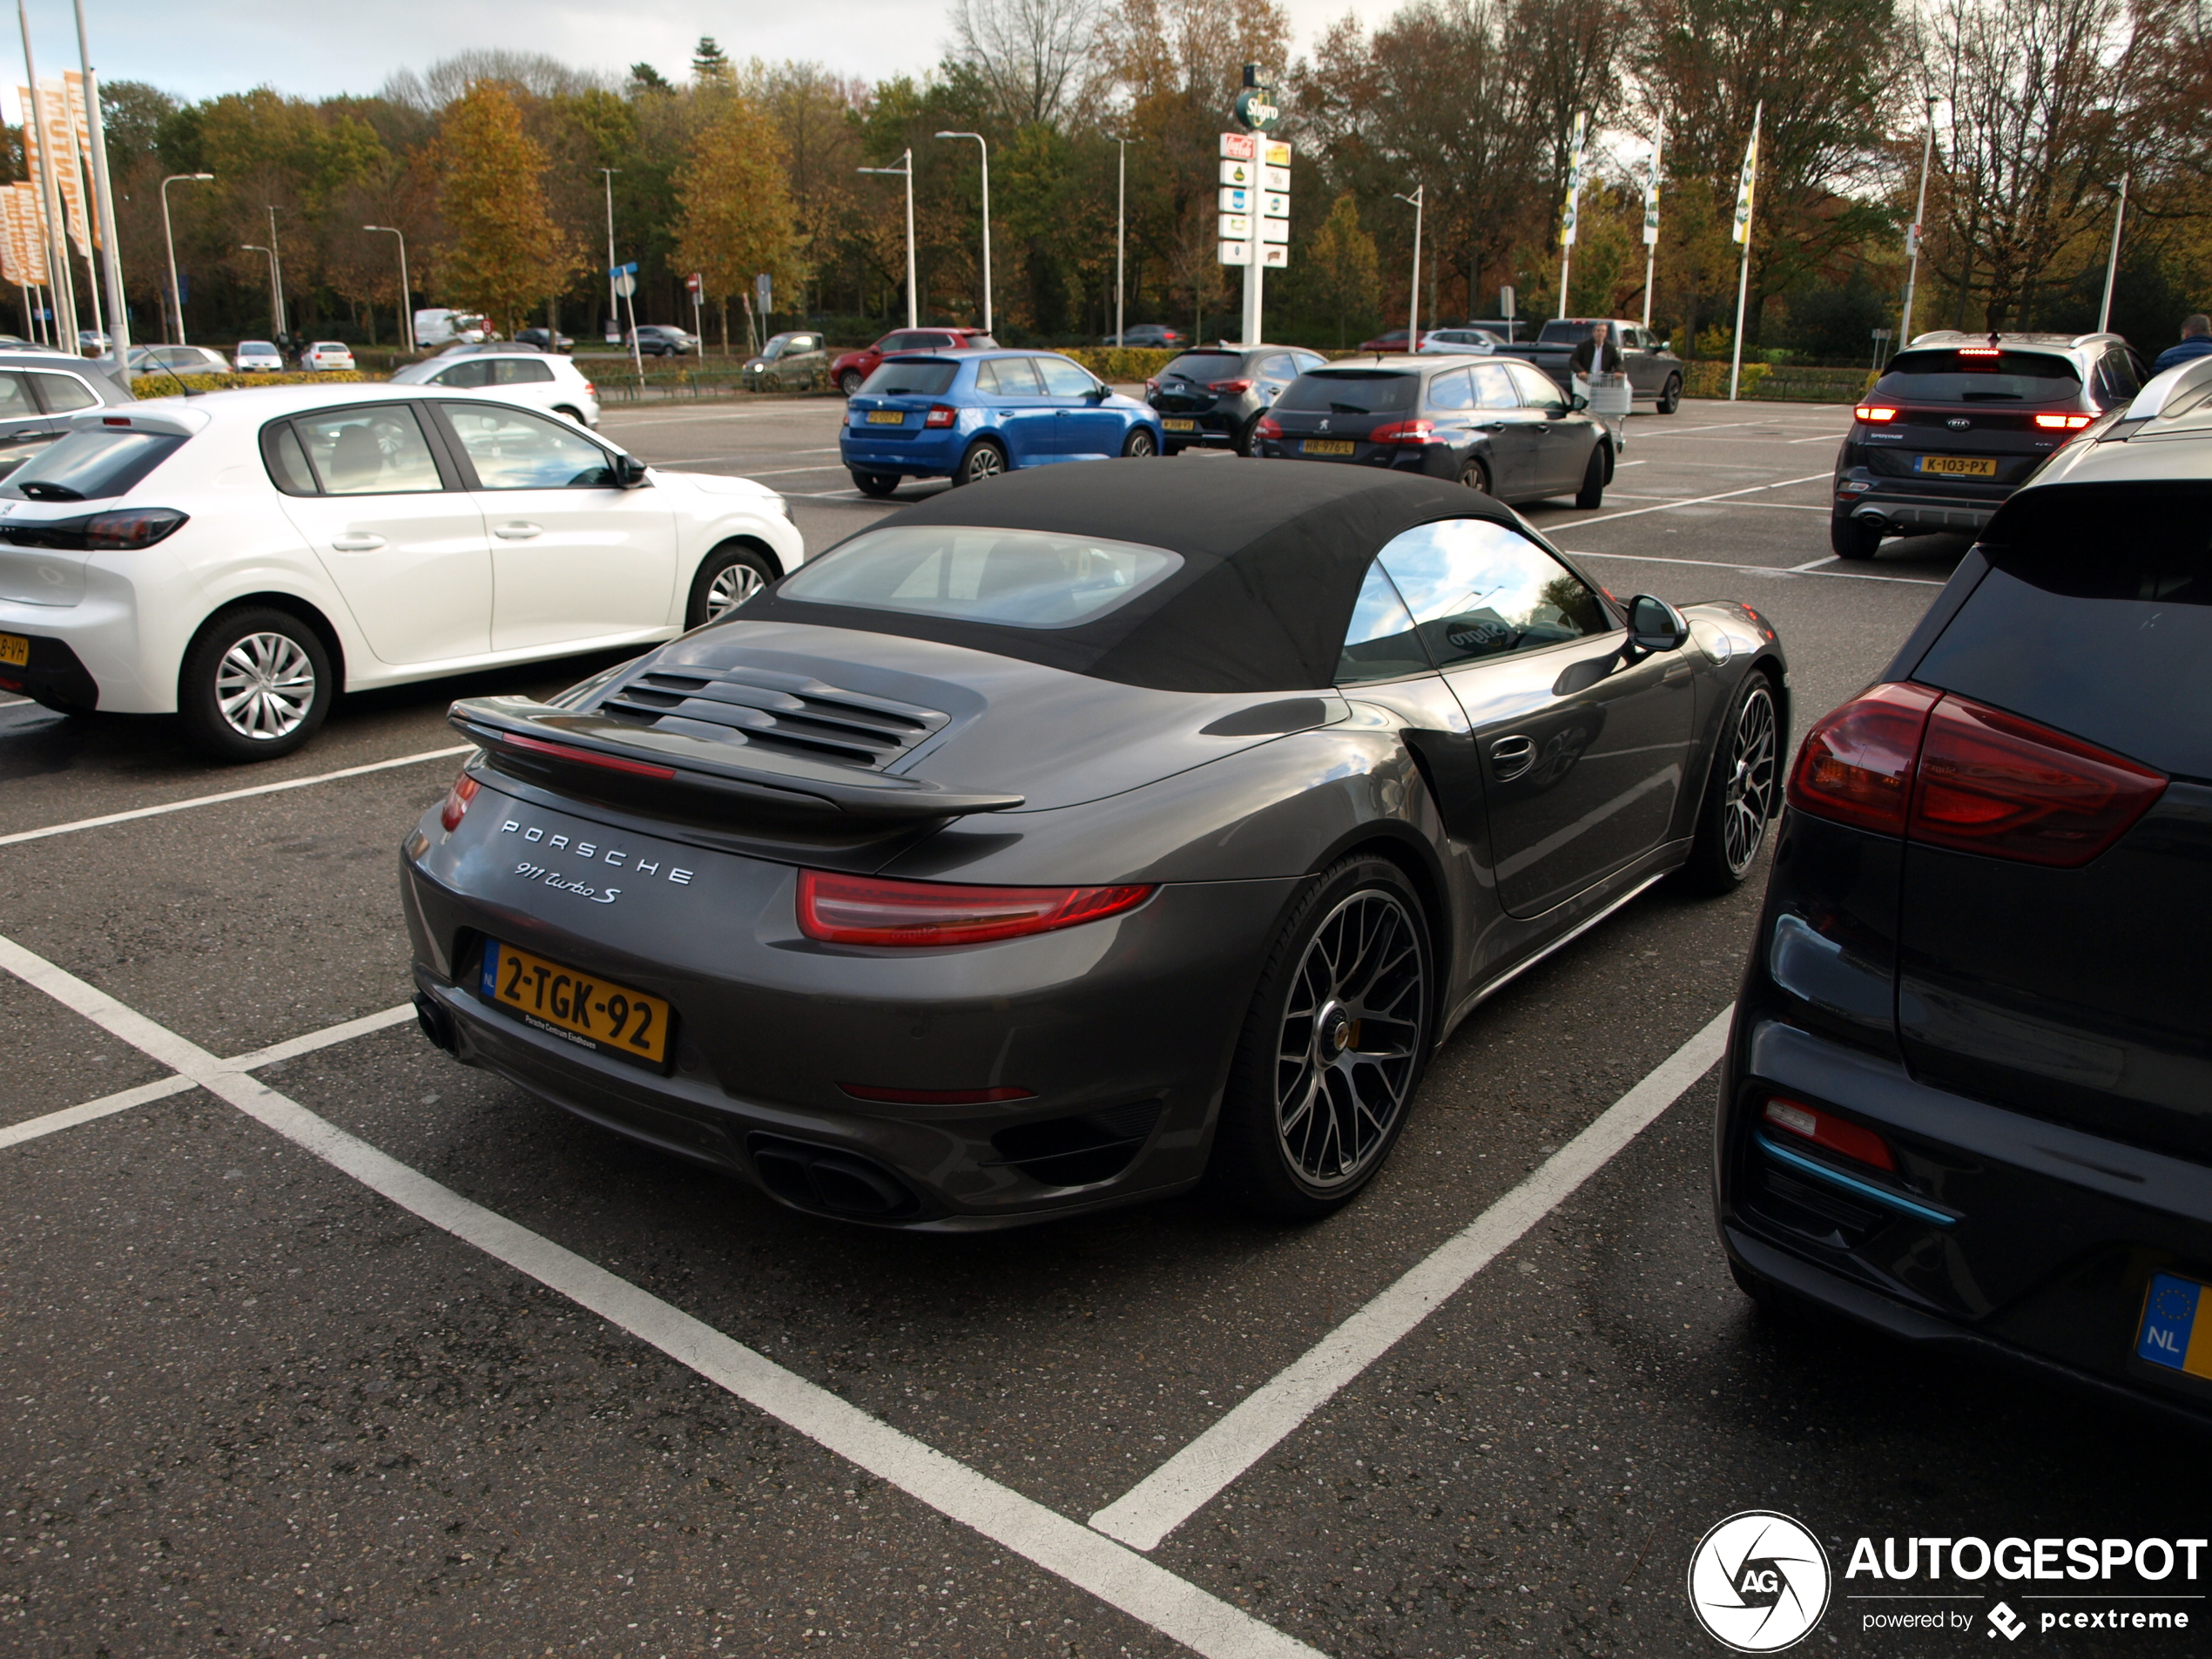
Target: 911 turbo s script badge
[[591, 852]]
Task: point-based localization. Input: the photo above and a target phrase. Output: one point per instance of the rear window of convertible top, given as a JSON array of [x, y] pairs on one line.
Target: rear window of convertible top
[[1014, 578]]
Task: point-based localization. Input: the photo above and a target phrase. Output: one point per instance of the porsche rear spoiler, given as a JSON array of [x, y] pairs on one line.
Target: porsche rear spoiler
[[616, 761]]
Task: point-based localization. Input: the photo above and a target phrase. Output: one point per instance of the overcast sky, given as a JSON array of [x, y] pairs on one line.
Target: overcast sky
[[315, 50]]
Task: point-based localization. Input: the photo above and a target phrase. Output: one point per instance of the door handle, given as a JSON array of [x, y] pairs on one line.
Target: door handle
[[517, 531], [357, 542], [1510, 757]]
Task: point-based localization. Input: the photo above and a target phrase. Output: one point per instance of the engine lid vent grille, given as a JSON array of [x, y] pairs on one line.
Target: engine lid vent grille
[[789, 713]]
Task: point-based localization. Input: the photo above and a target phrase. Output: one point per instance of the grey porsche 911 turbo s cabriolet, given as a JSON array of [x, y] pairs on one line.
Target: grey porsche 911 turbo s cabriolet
[[1064, 842]]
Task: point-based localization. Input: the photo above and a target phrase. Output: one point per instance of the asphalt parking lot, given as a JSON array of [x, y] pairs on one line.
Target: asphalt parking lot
[[316, 1342]]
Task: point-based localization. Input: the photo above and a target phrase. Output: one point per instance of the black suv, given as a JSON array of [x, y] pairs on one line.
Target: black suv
[[1216, 396], [1965, 1097], [1958, 421]]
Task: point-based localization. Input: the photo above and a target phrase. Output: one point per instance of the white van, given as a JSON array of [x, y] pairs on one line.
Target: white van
[[441, 325]]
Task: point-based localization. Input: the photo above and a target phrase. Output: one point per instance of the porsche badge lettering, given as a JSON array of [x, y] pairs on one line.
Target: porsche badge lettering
[[591, 852]]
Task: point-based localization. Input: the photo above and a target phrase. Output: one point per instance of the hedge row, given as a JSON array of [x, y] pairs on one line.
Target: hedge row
[[1124, 363], [1776, 383], [161, 385]]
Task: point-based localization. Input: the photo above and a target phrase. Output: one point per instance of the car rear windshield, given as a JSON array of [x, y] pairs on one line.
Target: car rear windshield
[[90, 466], [910, 377], [1351, 391], [1978, 374], [1016, 578], [1564, 333], [2095, 618], [1203, 366]]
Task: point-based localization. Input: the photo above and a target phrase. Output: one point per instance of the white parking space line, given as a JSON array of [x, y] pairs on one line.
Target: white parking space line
[[106, 1106], [1822, 437], [1758, 569], [292, 1048], [684, 420], [230, 794], [1190, 1479], [1117, 1576], [7, 702], [1812, 564], [1696, 501]]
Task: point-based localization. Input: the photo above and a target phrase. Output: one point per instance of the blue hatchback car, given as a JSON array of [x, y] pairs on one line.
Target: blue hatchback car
[[966, 416]]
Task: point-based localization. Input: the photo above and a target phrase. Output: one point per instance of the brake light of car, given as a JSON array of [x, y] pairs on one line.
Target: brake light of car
[[1856, 764], [1151, 384], [1874, 413], [872, 910], [2063, 422], [584, 757], [1269, 427], [119, 532], [456, 806], [1404, 432], [940, 415], [1229, 386], [1993, 783], [589, 390], [1826, 1129]]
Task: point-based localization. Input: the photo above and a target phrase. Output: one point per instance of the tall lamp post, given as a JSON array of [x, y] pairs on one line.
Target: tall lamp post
[[1913, 236], [1414, 296], [104, 206], [986, 148], [2112, 263], [614, 302], [1121, 229], [169, 237], [276, 304], [407, 296], [905, 170]]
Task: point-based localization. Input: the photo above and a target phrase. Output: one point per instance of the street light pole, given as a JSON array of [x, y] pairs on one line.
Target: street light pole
[[986, 148], [1913, 236], [275, 314], [61, 286], [614, 301], [906, 169], [407, 299], [276, 275], [104, 205], [2112, 264], [169, 238], [1413, 297]]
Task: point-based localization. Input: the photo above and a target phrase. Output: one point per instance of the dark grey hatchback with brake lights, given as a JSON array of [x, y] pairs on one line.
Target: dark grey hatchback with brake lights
[[1051, 845]]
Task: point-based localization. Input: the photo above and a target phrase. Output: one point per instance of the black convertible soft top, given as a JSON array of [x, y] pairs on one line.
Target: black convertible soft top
[[1273, 555]]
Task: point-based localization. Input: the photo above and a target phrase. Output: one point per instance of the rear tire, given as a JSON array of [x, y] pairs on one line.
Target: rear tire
[[1248, 437], [255, 685], [1333, 1045], [984, 460], [1743, 790], [1140, 443], [1476, 476], [849, 382], [1592, 494], [727, 578], [1852, 539], [878, 484], [1671, 395]]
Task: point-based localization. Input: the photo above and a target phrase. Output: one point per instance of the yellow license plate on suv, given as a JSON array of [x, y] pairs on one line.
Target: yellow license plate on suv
[[582, 1009], [15, 650], [1180, 426], [1325, 447], [1958, 466], [887, 417]]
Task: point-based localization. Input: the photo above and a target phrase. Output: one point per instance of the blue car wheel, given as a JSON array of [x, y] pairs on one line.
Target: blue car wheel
[[984, 459]]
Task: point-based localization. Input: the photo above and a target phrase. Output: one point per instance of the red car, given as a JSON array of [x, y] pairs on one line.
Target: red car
[[1393, 342], [849, 370]]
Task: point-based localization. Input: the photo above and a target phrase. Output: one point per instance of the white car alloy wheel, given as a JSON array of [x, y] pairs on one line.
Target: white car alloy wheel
[[264, 687], [730, 589]]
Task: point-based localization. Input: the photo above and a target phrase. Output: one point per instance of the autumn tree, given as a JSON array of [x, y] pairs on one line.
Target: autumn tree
[[1341, 271], [734, 212], [502, 249]]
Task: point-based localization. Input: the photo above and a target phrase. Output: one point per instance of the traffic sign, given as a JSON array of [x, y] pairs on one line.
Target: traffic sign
[[630, 269], [625, 282], [1240, 173], [764, 293], [1236, 200], [1237, 227], [1274, 177], [1236, 253], [695, 283], [1239, 146], [1275, 204]]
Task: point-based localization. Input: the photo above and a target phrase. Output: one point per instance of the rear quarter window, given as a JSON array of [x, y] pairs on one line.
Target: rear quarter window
[[2097, 618]]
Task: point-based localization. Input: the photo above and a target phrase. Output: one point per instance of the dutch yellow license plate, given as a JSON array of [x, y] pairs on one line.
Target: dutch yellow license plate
[[582, 1009], [15, 650], [1180, 426], [887, 417], [1324, 447], [1958, 466]]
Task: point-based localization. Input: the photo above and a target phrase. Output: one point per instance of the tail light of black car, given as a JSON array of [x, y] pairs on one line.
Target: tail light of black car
[[119, 532], [455, 804], [1238, 387], [872, 910], [1830, 1132], [1874, 413], [1414, 432], [1269, 427], [2063, 422], [1932, 767]]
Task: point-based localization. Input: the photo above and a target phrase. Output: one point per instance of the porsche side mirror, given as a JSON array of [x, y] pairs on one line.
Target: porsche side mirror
[[1656, 626], [629, 472]]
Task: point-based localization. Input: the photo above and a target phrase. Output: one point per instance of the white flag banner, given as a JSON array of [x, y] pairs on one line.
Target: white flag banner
[[1573, 180], [1651, 186], [28, 228], [54, 135], [1743, 232], [10, 242], [80, 122]]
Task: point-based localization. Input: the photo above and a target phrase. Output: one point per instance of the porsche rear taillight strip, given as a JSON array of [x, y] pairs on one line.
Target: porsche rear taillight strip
[[583, 757]]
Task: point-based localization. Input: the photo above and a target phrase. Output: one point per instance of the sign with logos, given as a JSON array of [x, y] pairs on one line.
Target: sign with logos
[[1237, 227], [1275, 153], [1275, 256], [1240, 173], [1236, 252], [1235, 200], [1257, 110], [1275, 179], [1275, 204], [1275, 230], [1240, 146]]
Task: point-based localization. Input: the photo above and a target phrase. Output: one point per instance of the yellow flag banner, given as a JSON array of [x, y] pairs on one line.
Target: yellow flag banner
[[80, 124], [30, 235], [10, 235], [59, 135]]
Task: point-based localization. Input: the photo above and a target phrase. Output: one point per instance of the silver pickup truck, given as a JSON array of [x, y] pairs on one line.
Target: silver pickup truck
[[1654, 372]]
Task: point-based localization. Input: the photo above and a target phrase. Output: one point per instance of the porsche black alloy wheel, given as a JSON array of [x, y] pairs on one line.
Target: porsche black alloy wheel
[[1333, 1047], [1592, 494], [878, 484], [1740, 790], [1139, 443], [255, 685], [1671, 395], [727, 578], [984, 460]]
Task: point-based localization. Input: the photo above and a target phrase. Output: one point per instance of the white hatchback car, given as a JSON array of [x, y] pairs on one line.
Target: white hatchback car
[[238, 558], [517, 376], [258, 357], [325, 355]]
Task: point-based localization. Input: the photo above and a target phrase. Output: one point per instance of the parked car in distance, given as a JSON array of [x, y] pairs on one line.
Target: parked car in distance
[[1958, 421], [1391, 341], [1654, 372], [179, 359], [1495, 425], [798, 358], [258, 357], [663, 339], [1149, 336], [318, 538], [40, 389], [852, 368], [1963, 1100], [538, 338], [325, 355], [518, 374], [442, 326], [1449, 341], [92, 342], [974, 416], [1214, 396]]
